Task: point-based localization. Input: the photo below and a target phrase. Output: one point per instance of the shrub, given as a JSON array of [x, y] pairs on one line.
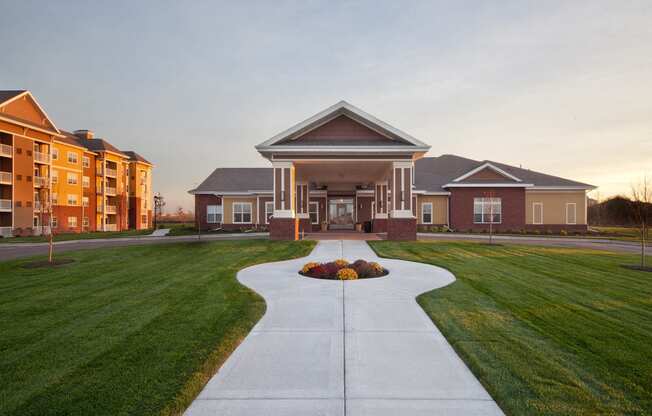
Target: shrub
[[318, 271], [364, 270], [347, 273], [563, 232], [341, 263], [309, 266], [331, 268]]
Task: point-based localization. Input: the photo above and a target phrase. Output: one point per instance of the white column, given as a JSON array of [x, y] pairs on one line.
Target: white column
[[402, 190], [284, 190]]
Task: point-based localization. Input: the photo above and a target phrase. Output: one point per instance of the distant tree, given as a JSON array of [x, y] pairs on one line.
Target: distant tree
[[641, 211], [180, 213]]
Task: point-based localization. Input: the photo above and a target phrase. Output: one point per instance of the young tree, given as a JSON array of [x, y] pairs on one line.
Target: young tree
[[159, 203], [641, 212], [180, 213], [491, 195]]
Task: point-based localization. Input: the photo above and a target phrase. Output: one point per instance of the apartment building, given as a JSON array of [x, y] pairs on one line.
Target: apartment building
[[52, 179]]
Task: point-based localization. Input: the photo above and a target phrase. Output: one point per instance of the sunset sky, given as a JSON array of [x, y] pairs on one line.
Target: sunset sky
[[560, 87]]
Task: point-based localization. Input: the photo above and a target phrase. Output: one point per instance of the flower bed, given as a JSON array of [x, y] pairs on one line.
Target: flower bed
[[343, 270]]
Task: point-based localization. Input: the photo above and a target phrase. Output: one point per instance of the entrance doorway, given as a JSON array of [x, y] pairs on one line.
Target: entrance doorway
[[340, 213]]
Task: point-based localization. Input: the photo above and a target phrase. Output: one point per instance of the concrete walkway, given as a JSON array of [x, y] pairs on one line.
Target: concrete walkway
[[344, 348]]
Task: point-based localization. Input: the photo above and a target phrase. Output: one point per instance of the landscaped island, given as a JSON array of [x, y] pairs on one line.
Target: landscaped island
[[343, 270]]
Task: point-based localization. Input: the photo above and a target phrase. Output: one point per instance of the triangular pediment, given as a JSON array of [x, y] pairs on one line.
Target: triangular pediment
[[343, 125], [487, 173], [25, 108]]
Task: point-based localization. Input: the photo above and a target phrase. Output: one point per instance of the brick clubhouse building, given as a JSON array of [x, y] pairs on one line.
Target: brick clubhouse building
[[51, 179], [345, 169]]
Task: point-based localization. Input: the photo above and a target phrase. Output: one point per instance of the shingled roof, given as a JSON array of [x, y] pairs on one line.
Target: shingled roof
[[135, 156], [6, 95], [236, 180]]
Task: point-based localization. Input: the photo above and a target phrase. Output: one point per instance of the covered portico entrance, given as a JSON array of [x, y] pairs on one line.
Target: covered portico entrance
[[342, 168]]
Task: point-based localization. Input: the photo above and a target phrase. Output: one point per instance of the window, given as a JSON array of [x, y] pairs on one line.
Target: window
[[55, 176], [85, 201], [143, 219], [269, 211], [72, 199], [72, 158], [86, 162], [54, 222], [85, 222], [55, 153], [487, 210], [242, 212], [426, 213], [214, 214], [313, 210], [55, 201], [571, 213], [36, 223], [86, 182], [72, 178], [72, 222], [537, 213]]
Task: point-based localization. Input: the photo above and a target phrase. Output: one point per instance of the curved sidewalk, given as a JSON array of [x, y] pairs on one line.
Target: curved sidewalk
[[344, 348]]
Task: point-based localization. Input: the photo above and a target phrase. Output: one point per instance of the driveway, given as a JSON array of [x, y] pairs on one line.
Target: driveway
[[344, 348]]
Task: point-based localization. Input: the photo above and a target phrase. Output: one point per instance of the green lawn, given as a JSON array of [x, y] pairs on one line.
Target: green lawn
[[76, 236], [548, 331], [129, 330]]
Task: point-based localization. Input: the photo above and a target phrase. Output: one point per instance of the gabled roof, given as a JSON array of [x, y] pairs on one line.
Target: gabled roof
[[468, 177], [396, 138], [437, 174], [135, 157], [233, 180], [94, 144], [8, 96]]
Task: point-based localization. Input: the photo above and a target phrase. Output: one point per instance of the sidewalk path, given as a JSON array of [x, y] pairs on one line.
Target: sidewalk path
[[344, 348]]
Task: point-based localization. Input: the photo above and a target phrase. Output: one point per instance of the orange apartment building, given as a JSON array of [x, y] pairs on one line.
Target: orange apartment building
[[51, 179]]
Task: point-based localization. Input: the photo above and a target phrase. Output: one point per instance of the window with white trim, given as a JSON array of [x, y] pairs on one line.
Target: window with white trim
[[55, 176], [214, 214], [72, 158], [54, 198], [72, 222], [242, 212], [487, 210], [72, 199], [55, 153], [72, 178], [86, 181], [86, 161], [426, 213], [537, 213], [571, 213], [85, 222], [53, 222], [84, 201], [313, 211], [269, 210]]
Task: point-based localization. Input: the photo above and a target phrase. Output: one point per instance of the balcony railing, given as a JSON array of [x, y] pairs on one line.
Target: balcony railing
[[6, 150], [41, 181], [5, 204], [41, 157], [111, 227], [109, 190], [111, 209], [111, 172], [5, 177], [5, 231], [37, 205]]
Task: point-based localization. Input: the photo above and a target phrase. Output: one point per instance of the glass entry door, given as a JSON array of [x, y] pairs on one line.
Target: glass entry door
[[340, 214]]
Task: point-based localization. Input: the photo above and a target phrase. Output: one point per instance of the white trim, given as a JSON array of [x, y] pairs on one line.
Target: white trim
[[251, 212], [339, 150], [574, 204], [402, 213], [268, 212], [421, 192], [484, 166], [490, 213], [27, 92], [534, 213], [283, 213], [487, 185], [561, 188], [230, 193], [431, 213], [334, 111], [380, 215], [365, 192]]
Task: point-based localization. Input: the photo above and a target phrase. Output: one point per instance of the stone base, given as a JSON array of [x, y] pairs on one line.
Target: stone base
[[379, 225], [402, 229], [284, 228]]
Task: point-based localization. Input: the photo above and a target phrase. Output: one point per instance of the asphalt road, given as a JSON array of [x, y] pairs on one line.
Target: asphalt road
[[10, 251]]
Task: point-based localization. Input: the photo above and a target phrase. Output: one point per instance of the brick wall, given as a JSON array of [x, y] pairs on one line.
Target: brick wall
[[513, 208], [201, 201]]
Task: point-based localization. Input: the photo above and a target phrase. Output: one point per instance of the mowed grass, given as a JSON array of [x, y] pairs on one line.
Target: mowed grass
[[548, 331], [129, 330], [76, 236]]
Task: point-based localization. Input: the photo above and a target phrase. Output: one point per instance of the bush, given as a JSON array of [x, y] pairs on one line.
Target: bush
[[563, 232], [309, 266], [341, 262], [347, 273]]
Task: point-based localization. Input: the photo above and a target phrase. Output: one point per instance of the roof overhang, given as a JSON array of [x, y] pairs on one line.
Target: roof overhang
[[488, 185], [56, 131]]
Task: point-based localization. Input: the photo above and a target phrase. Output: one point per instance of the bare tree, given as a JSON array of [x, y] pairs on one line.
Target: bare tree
[[159, 203], [491, 195], [641, 212], [180, 212]]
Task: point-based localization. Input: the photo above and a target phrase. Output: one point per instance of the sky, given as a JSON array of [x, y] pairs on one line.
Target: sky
[[562, 87]]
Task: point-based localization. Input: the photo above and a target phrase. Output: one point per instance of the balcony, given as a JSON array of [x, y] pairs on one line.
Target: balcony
[[110, 190], [6, 150], [41, 181], [111, 172], [111, 227], [111, 209], [41, 157], [5, 231], [5, 178], [5, 205], [37, 205]]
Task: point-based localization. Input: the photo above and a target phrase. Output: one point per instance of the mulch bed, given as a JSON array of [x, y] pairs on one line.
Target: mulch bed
[[45, 263], [343, 270]]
